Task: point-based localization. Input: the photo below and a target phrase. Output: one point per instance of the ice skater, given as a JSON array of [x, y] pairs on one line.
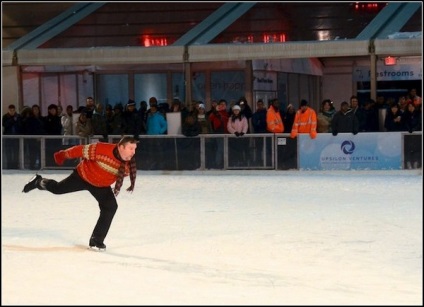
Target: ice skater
[[102, 164]]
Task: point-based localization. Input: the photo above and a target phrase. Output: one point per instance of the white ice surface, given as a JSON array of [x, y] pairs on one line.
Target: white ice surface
[[219, 237]]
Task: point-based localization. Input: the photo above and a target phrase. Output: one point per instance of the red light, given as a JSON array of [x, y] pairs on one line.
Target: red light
[[274, 38], [148, 41], [373, 6], [390, 61]]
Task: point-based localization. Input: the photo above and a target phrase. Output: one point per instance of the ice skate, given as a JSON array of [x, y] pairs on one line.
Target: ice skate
[[32, 184], [96, 244]]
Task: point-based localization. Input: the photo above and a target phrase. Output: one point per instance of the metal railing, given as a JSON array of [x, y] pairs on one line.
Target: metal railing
[[154, 152], [265, 151]]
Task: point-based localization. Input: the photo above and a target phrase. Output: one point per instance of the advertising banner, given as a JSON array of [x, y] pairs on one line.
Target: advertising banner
[[365, 151]]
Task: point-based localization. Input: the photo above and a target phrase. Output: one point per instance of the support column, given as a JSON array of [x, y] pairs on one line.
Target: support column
[[373, 70]]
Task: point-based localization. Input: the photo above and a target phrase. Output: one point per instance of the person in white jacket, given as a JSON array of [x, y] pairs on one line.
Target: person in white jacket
[[68, 125]]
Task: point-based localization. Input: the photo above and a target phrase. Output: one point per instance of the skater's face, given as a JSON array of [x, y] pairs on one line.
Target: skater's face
[[127, 151]]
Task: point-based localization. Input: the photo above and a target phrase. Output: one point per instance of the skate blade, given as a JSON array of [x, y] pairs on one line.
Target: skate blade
[[96, 249]]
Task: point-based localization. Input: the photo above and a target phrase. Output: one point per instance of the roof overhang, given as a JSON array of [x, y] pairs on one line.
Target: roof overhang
[[210, 53]]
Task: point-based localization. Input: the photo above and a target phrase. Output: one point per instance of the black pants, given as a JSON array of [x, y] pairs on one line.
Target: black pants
[[104, 196]]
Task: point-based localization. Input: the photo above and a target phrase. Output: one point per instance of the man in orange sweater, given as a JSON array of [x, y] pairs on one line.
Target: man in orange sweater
[[102, 164], [305, 121]]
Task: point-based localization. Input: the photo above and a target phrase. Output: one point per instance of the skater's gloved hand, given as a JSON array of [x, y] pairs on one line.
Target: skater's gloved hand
[[334, 133], [237, 134], [59, 157], [241, 133]]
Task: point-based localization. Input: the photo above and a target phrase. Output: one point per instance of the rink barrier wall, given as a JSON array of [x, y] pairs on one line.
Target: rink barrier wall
[[368, 151]]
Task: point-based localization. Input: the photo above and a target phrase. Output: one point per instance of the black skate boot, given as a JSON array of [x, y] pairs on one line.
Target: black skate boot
[[95, 243], [32, 184]]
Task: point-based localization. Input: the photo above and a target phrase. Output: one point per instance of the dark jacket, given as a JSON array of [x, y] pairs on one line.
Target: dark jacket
[[344, 122], [259, 121]]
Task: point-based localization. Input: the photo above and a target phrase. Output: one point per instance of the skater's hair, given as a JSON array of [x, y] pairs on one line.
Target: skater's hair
[[127, 139]]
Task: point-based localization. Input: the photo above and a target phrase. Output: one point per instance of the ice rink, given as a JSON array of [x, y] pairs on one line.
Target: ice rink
[[220, 237]]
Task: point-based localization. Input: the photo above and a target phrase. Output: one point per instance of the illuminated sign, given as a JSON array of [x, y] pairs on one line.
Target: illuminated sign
[[151, 41], [389, 61], [370, 6]]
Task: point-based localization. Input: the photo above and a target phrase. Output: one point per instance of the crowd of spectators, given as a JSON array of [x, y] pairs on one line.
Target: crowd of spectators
[[222, 117]]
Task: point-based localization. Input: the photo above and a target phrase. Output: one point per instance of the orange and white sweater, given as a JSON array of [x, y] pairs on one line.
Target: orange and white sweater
[[99, 165]]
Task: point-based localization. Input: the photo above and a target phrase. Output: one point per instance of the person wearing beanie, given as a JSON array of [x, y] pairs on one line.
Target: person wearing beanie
[[305, 121], [203, 120], [237, 124], [132, 120], [130, 103], [238, 147], [245, 109], [101, 165]]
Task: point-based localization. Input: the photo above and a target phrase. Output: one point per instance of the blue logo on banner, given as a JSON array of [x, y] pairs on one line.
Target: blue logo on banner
[[348, 147]]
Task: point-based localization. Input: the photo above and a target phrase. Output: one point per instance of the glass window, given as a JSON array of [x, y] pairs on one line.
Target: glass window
[[150, 85], [112, 89], [229, 85]]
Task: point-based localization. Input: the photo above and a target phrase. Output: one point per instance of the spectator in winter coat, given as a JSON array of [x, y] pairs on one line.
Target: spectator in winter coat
[[52, 126], [344, 121], [238, 148], [413, 149], [11, 122], [288, 119], [89, 107], [414, 98], [259, 118], [305, 121], [203, 120], [274, 122], [31, 125], [132, 120], [413, 118], [67, 121], [214, 103], [83, 126], [368, 121], [219, 118], [325, 116], [191, 126], [245, 110], [237, 124], [394, 120], [118, 122], [98, 122], [52, 123], [156, 123]]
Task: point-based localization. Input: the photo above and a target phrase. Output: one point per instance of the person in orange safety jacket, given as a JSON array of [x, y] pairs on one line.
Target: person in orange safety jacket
[[305, 121], [274, 122]]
